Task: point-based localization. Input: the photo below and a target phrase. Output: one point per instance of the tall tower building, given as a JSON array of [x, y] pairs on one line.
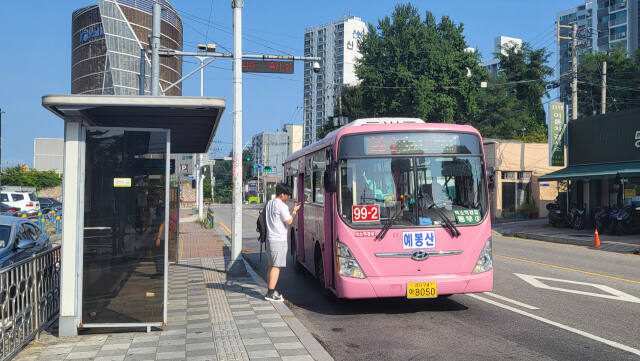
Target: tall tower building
[[337, 44], [106, 41], [500, 44], [602, 25]]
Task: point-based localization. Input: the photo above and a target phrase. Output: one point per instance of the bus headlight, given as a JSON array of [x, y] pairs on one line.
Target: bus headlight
[[347, 264], [485, 260]]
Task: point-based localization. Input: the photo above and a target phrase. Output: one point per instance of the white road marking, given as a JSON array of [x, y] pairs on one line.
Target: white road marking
[[559, 325], [612, 293], [512, 301]]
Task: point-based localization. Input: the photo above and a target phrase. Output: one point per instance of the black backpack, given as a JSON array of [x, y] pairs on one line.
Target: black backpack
[[261, 225]]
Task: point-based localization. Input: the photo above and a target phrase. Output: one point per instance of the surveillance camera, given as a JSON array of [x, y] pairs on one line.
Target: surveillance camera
[[316, 67]]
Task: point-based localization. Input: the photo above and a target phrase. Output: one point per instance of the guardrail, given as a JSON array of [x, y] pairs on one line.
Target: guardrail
[[29, 300]]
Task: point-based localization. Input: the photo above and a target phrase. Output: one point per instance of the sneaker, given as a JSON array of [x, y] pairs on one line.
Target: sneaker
[[274, 296]]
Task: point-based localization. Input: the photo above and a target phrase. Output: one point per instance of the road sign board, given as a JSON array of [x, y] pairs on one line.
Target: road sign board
[[190, 176], [267, 66]]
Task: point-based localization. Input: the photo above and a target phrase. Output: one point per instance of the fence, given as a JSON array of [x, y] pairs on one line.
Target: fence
[[29, 300]]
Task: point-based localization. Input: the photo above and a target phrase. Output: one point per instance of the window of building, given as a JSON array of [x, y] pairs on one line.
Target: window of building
[[524, 175], [187, 157], [508, 175], [618, 33]]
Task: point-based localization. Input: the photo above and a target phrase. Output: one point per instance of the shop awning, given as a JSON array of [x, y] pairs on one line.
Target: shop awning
[[595, 171], [192, 120]]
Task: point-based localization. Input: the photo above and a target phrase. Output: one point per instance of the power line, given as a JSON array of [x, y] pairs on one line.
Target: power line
[[210, 13]]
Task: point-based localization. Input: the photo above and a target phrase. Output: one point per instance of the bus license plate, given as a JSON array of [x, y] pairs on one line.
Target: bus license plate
[[422, 289]]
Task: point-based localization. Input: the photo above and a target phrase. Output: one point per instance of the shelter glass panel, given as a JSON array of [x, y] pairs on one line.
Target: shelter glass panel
[[124, 226]]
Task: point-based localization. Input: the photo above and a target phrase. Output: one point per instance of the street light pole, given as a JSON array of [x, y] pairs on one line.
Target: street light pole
[[199, 182], [155, 48], [236, 224]]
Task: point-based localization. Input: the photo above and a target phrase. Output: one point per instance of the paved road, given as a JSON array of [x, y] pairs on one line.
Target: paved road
[[550, 302]]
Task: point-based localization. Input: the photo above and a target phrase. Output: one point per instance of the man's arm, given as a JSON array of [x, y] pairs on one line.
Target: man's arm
[[295, 210]]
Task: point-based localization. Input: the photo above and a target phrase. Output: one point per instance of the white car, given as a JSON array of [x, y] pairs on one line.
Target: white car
[[27, 202]]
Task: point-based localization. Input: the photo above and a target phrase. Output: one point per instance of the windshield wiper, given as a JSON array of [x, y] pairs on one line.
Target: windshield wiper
[[447, 222], [450, 226], [385, 228]]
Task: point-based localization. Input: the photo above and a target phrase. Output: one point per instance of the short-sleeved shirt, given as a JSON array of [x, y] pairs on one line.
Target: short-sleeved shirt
[[276, 214]]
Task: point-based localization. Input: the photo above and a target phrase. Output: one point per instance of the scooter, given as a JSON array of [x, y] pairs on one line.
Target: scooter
[[628, 220], [556, 216]]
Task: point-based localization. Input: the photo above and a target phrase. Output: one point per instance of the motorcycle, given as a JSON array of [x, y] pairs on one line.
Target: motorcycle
[[601, 218], [612, 221], [556, 216], [628, 220], [577, 217]]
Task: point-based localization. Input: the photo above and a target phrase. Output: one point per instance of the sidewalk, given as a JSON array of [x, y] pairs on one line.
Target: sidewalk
[[211, 316], [539, 229]]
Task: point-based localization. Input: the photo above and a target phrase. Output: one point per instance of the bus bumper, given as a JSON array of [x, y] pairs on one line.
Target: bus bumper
[[373, 287]]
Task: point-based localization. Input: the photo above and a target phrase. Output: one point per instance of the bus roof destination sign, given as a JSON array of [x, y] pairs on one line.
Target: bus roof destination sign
[[267, 66]]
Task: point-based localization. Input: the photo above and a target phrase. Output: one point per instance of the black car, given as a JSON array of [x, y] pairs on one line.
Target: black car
[[7, 210], [20, 238], [49, 204]]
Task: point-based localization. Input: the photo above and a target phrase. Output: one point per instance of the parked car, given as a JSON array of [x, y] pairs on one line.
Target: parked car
[[20, 238], [27, 202], [49, 204], [7, 210]]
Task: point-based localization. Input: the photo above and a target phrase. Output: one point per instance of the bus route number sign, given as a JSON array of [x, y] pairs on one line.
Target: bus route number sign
[[366, 213]]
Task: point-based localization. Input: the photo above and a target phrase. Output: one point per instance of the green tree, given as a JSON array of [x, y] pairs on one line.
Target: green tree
[[19, 176], [416, 68], [623, 77], [511, 107], [222, 172], [526, 69]]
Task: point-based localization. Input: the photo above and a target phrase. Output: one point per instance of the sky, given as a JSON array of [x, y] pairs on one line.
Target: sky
[[35, 55]]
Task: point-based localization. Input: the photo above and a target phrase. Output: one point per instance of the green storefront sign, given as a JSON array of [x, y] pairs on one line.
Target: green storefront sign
[[556, 134]]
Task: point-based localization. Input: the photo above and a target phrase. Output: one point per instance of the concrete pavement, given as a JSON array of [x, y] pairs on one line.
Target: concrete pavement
[[212, 316]]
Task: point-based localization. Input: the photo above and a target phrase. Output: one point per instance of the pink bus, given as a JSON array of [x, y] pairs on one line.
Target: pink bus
[[393, 207]]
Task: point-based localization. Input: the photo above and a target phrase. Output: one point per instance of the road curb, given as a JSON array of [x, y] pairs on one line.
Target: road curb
[[609, 246], [312, 345]]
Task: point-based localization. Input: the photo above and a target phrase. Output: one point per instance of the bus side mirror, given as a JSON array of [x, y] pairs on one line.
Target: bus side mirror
[[330, 181]]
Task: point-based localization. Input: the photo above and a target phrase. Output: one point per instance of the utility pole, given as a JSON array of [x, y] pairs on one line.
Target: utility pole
[[236, 166], [155, 48], [603, 102], [574, 70], [574, 64]]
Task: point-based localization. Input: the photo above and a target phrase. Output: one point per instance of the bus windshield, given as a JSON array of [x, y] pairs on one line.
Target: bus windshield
[[413, 189]]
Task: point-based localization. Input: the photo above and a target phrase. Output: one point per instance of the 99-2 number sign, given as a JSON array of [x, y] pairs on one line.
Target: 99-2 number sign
[[267, 66], [365, 213]]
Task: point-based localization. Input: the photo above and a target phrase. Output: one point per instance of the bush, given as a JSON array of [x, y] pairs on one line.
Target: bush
[[20, 176]]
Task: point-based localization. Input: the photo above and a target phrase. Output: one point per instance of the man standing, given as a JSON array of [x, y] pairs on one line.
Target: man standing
[[278, 218]]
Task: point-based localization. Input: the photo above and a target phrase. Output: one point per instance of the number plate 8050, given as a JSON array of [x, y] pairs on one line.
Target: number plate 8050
[[422, 290]]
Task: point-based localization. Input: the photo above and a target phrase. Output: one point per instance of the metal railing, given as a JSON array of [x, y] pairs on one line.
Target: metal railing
[[29, 300]]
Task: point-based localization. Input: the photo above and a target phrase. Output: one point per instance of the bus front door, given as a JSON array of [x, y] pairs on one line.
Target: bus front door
[[300, 230]]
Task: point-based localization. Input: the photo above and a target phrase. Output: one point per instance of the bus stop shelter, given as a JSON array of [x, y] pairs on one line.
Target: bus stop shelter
[[116, 179]]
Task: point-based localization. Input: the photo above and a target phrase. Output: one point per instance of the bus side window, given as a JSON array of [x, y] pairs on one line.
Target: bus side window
[[307, 188], [294, 187], [318, 187]]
